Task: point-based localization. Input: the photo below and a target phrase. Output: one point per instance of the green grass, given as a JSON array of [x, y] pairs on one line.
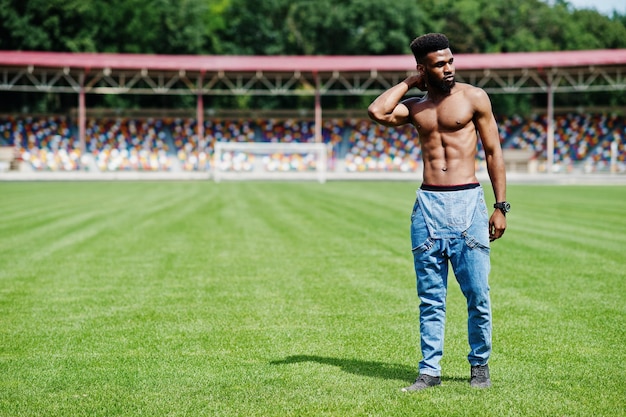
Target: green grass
[[295, 299]]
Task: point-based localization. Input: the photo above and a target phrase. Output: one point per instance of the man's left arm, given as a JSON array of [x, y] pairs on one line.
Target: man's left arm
[[490, 137]]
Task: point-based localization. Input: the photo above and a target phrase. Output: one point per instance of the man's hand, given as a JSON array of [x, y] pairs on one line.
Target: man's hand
[[418, 80], [421, 81], [497, 225]]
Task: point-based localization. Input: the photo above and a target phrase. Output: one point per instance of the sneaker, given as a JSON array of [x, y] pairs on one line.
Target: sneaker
[[480, 376], [423, 382]]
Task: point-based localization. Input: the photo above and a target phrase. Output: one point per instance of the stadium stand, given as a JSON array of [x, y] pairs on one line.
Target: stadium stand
[[587, 142], [373, 147], [128, 144], [44, 143], [579, 139]]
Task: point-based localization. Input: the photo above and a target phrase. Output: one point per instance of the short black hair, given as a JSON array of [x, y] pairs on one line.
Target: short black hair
[[430, 42]]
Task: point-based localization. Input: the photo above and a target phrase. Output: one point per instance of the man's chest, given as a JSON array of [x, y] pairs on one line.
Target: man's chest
[[447, 116]]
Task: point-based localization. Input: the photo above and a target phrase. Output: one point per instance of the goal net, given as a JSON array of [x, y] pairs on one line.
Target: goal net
[[270, 161]]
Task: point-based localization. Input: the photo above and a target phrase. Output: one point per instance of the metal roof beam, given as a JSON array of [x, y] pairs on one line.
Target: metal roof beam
[[297, 83]]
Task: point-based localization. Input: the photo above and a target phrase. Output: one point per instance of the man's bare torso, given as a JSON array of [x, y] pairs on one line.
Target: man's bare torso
[[447, 136]]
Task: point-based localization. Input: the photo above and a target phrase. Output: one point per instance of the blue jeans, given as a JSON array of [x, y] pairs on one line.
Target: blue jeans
[[451, 227]]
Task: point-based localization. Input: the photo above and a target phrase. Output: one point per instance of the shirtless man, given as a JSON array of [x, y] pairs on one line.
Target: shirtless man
[[449, 222]]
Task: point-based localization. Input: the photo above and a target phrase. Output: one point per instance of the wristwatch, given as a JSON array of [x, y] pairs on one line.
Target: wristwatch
[[504, 207]]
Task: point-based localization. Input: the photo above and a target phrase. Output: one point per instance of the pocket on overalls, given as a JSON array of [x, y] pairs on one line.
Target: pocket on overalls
[[424, 247], [474, 243]]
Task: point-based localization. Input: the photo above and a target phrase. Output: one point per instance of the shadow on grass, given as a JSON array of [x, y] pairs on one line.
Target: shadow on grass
[[358, 367]]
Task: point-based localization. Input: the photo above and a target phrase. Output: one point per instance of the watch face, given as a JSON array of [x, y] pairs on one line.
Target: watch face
[[504, 206]]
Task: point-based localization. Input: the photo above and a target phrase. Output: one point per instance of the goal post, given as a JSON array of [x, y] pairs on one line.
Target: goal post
[[270, 161]]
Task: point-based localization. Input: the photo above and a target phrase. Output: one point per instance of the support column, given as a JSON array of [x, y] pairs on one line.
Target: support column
[[82, 115], [318, 110], [550, 138], [200, 109]]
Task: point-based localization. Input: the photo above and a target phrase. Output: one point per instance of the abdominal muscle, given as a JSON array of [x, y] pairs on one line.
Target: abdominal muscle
[[449, 159]]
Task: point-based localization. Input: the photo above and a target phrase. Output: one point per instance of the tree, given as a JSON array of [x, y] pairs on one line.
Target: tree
[[139, 26], [322, 27]]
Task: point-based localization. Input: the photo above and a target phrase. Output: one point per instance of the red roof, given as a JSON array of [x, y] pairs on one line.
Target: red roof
[[312, 63]]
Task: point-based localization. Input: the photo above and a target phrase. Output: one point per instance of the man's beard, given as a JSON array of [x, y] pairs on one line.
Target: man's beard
[[441, 85]]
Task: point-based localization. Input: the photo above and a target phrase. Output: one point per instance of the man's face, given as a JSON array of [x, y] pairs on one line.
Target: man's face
[[439, 70]]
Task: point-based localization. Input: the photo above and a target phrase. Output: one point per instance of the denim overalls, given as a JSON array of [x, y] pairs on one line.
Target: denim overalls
[[451, 226]]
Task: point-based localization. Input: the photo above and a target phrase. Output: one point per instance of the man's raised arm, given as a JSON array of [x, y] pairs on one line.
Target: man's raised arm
[[388, 109]]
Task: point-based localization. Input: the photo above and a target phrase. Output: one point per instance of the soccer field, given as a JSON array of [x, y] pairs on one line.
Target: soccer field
[[295, 299]]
